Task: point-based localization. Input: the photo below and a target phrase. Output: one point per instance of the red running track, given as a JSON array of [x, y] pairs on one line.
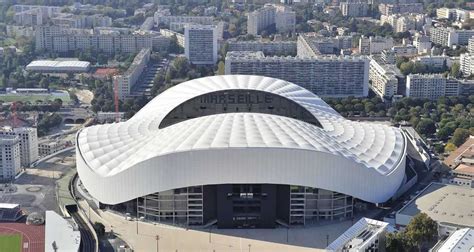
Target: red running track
[[32, 236]]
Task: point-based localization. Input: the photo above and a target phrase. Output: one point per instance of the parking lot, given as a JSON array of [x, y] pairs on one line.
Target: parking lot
[[35, 189]]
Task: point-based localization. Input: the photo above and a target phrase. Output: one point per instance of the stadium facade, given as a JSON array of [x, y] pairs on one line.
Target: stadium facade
[[242, 151]]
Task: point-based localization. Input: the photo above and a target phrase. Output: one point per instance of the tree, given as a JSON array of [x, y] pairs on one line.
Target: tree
[[455, 70], [426, 127], [420, 230], [99, 229], [395, 242], [460, 136], [449, 147], [221, 68]]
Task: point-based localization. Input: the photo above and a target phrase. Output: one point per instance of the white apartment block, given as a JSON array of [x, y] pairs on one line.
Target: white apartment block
[[400, 8], [31, 15], [200, 44], [431, 86], [405, 22], [422, 43], [450, 36], [169, 34], [283, 18], [28, 143], [161, 19], [354, 9], [311, 44], [60, 39], [383, 79], [470, 46], [267, 47], [126, 81], [374, 45], [467, 64], [453, 14], [327, 76], [10, 160], [438, 61]]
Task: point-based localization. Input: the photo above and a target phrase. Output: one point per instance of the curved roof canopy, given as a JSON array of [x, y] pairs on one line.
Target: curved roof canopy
[[374, 150]]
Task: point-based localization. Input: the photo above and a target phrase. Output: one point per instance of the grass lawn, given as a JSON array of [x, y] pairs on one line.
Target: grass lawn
[[33, 98], [10, 243]]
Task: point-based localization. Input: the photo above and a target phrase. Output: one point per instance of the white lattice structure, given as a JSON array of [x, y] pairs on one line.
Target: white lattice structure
[[122, 161]]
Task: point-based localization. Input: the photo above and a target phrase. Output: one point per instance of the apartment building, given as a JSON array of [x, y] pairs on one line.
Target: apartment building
[[383, 78], [267, 47], [282, 17], [326, 76], [354, 9], [311, 44], [28, 141], [126, 81], [431, 86], [453, 14], [10, 160], [400, 8], [169, 34], [450, 36], [32, 15], [438, 61], [405, 22], [374, 45], [60, 39], [165, 19], [467, 64], [200, 44], [422, 43]]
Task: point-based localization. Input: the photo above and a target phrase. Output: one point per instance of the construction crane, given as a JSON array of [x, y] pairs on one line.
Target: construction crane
[[116, 100]]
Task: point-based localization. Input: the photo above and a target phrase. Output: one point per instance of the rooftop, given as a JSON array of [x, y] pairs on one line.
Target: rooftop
[[357, 235], [465, 150], [444, 203], [459, 241]]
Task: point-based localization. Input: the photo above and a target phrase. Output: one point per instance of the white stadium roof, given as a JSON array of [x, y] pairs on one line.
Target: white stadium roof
[[365, 160], [58, 66]]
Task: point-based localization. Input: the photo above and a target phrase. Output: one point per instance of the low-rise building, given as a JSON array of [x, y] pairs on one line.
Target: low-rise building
[[422, 43], [436, 62], [365, 235], [58, 66], [374, 45], [449, 205], [460, 240]]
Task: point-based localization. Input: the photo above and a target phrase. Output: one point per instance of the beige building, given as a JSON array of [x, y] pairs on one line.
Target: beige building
[[383, 79], [354, 9], [431, 86], [283, 18], [127, 80]]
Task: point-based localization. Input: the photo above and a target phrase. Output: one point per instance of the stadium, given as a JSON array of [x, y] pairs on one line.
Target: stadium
[[240, 151]]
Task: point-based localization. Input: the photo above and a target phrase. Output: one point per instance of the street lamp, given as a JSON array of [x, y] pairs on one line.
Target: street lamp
[[157, 243]]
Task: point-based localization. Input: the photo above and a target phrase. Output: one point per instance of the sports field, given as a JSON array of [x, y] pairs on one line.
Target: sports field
[[10, 242], [64, 96]]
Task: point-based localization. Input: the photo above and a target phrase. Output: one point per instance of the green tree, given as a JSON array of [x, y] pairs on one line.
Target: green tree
[[426, 126], [421, 230], [221, 68], [460, 136], [449, 147], [99, 229], [395, 242], [455, 70]]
